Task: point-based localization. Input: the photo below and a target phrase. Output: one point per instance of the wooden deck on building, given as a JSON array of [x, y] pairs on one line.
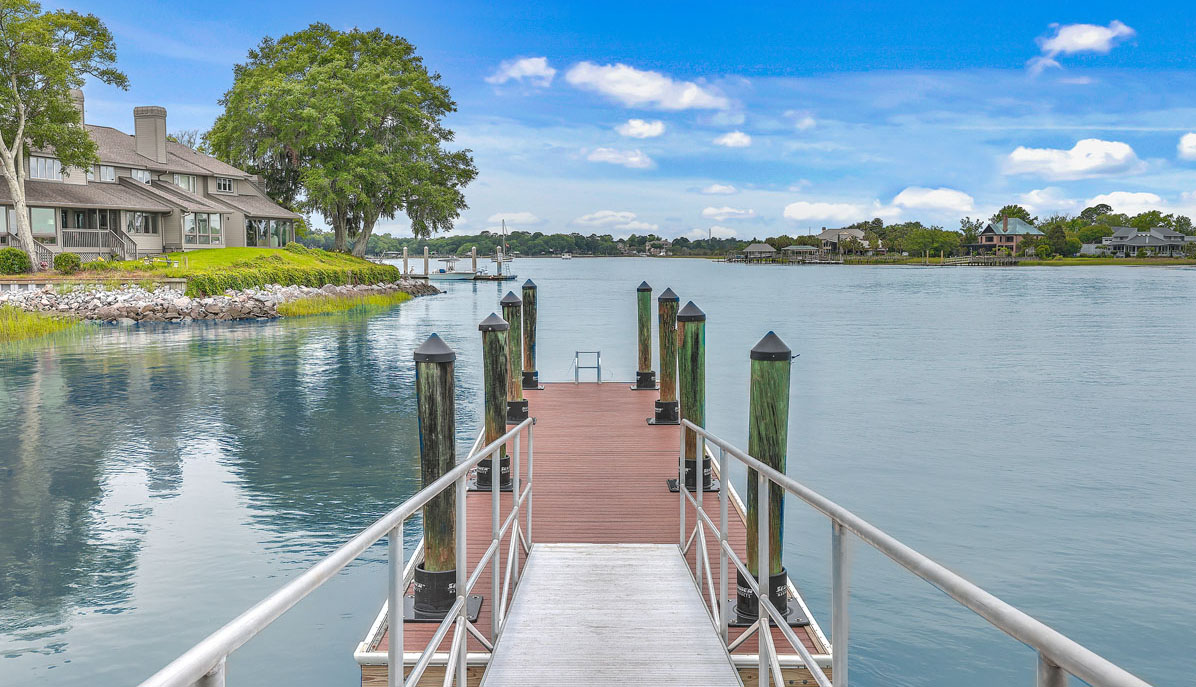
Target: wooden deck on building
[[608, 614], [599, 477]]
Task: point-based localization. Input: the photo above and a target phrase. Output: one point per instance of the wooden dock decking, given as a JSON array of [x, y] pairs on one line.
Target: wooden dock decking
[[599, 478], [608, 614]]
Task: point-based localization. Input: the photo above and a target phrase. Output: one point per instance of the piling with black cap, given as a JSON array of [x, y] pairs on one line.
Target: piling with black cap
[[666, 407], [691, 378], [768, 434], [531, 378], [496, 371], [512, 306], [436, 577], [645, 376]]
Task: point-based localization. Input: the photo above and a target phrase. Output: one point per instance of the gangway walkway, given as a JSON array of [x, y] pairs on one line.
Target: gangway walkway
[[608, 614]]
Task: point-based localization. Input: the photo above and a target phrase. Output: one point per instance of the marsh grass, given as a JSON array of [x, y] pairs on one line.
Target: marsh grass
[[323, 305], [20, 325]]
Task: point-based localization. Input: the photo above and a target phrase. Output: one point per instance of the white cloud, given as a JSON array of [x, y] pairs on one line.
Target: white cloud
[[638, 88], [838, 212], [1050, 198], [1090, 157], [1071, 39], [533, 70], [1129, 202], [1187, 146], [635, 159], [801, 120], [725, 213], [934, 199], [720, 190], [525, 218], [714, 231], [621, 220], [734, 139], [640, 128], [605, 218]]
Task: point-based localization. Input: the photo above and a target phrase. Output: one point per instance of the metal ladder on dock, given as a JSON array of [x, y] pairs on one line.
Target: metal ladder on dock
[[608, 614]]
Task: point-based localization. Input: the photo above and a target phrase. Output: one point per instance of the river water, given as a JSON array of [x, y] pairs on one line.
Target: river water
[[1030, 428]]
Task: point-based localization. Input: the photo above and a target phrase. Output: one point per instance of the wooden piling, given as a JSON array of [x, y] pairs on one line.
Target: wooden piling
[[473, 255], [404, 261], [427, 270], [437, 449], [645, 377], [691, 376], [768, 436], [496, 370], [512, 306], [531, 378], [666, 407]]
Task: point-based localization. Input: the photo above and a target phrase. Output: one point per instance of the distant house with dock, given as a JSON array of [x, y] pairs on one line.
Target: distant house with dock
[[1007, 234], [1128, 241], [759, 252]]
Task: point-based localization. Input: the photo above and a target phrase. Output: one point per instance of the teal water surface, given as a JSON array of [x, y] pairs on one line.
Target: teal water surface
[[1027, 427]]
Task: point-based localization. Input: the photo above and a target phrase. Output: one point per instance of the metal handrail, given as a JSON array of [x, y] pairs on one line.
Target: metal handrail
[[1058, 655], [578, 367], [204, 663]]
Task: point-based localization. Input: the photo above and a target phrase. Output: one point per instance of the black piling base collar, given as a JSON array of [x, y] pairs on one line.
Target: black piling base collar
[[516, 411], [645, 381], [473, 607], [472, 485], [793, 616], [745, 606], [715, 486], [667, 413], [531, 380]]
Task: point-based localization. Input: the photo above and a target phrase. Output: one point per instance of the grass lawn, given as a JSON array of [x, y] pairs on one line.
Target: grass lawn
[[18, 325]]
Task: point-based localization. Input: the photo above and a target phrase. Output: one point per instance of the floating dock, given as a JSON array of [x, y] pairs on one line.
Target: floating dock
[[600, 478]]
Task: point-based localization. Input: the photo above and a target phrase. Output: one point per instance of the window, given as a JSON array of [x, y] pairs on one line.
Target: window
[[224, 184], [202, 229], [142, 223], [41, 221], [103, 172], [4, 220], [142, 175], [45, 168], [185, 182]]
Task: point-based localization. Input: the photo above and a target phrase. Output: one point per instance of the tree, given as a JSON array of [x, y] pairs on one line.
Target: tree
[[188, 137], [1093, 234], [1091, 214], [348, 124], [42, 57], [970, 228], [1012, 211]]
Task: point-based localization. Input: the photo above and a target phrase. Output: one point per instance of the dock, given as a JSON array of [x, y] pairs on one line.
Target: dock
[[600, 472]]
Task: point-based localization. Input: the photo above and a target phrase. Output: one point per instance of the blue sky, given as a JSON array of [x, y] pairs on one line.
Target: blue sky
[[746, 119]]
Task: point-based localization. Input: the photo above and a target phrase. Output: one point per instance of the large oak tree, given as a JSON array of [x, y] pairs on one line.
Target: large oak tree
[[348, 124], [43, 55]]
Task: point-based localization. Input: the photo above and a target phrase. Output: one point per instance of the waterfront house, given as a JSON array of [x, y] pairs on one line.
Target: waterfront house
[[147, 195], [758, 252], [1007, 234], [1127, 241], [801, 253], [832, 238]]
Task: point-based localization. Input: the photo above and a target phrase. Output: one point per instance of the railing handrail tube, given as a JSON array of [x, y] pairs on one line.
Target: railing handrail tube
[[1068, 654], [201, 658]]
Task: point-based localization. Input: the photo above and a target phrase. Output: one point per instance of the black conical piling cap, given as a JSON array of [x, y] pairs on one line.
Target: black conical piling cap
[[494, 323], [668, 295], [511, 299], [691, 313], [771, 348], [434, 350], [529, 284], [643, 286]]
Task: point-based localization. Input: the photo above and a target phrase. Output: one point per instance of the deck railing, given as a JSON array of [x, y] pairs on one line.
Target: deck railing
[[204, 665], [43, 253], [97, 241], [1058, 656]]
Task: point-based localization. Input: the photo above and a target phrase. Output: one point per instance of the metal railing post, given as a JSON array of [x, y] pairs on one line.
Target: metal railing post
[[698, 553], [724, 608], [394, 608], [762, 575], [495, 578], [840, 594], [1049, 674], [531, 492], [515, 492], [681, 488], [462, 573], [215, 676]]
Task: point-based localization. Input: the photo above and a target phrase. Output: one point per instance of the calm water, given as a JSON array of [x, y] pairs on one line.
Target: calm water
[[1030, 428]]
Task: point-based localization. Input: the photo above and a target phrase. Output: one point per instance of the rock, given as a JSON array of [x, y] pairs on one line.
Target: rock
[[126, 321]]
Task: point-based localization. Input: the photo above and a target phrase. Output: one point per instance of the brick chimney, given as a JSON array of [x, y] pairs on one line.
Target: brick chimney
[[149, 132], [77, 100], [1004, 224]]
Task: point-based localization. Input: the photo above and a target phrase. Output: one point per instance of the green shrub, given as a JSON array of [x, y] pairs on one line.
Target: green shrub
[[14, 261], [217, 282], [100, 266], [67, 263], [297, 248]]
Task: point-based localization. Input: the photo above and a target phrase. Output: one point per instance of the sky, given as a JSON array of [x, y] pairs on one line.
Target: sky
[[744, 119]]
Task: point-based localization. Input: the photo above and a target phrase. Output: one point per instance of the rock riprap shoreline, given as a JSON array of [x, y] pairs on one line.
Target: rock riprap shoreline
[[137, 304]]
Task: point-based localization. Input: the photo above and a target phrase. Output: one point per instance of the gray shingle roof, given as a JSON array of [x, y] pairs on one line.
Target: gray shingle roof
[[759, 248], [118, 148], [103, 195], [175, 196], [256, 206]]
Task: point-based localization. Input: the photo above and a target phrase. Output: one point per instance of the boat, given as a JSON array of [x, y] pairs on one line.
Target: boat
[[566, 256], [449, 273]]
